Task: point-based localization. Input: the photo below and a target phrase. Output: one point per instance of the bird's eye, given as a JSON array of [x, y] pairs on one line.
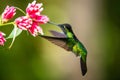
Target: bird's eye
[[64, 26]]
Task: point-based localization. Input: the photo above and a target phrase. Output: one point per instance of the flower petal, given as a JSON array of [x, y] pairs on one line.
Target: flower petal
[[42, 19], [35, 29], [23, 22]]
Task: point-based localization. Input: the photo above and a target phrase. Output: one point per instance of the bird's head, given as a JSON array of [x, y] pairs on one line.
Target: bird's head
[[65, 27]]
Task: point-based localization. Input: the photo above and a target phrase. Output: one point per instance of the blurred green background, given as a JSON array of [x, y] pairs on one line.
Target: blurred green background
[[95, 22]]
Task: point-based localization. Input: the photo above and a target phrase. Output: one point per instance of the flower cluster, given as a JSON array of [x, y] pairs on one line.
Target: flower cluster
[[33, 19], [30, 22]]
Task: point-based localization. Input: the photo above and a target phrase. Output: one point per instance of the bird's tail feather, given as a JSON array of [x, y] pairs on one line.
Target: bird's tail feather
[[83, 66]]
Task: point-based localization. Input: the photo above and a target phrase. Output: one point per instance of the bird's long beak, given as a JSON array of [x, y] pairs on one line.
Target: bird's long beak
[[59, 25], [53, 23]]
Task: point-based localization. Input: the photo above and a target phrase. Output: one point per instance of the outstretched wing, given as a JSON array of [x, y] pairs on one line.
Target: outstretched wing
[[58, 41], [57, 34]]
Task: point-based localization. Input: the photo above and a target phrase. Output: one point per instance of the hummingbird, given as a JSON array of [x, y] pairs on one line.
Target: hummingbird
[[68, 41]]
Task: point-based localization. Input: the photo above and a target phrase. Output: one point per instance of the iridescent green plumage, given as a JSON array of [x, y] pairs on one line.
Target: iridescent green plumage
[[69, 42]]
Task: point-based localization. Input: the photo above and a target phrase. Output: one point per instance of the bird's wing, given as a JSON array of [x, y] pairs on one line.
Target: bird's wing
[[58, 41], [57, 34]]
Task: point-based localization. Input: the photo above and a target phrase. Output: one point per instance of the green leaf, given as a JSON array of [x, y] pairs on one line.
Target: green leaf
[[15, 32]]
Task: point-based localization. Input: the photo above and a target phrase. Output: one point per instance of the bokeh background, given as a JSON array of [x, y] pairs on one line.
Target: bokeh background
[[95, 22]]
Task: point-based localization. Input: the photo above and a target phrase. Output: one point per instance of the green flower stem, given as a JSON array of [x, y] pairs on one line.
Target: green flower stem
[[20, 10], [5, 24]]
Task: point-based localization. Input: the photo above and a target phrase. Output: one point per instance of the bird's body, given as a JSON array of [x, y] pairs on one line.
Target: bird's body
[[69, 42]]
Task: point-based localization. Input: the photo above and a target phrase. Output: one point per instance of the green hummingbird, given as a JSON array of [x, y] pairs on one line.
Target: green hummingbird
[[69, 42]]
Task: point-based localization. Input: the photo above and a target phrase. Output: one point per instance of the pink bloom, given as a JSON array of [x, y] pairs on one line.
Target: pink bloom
[[35, 29], [2, 39], [24, 22], [42, 19], [8, 13], [34, 9]]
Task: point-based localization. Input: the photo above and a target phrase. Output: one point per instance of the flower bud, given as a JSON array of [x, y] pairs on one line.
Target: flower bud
[[8, 13]]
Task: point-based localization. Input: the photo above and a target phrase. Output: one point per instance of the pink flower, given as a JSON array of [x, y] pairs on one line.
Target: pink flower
[[2, 39], [24, 22], [35, 29], [34, 9], [8, 13]]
